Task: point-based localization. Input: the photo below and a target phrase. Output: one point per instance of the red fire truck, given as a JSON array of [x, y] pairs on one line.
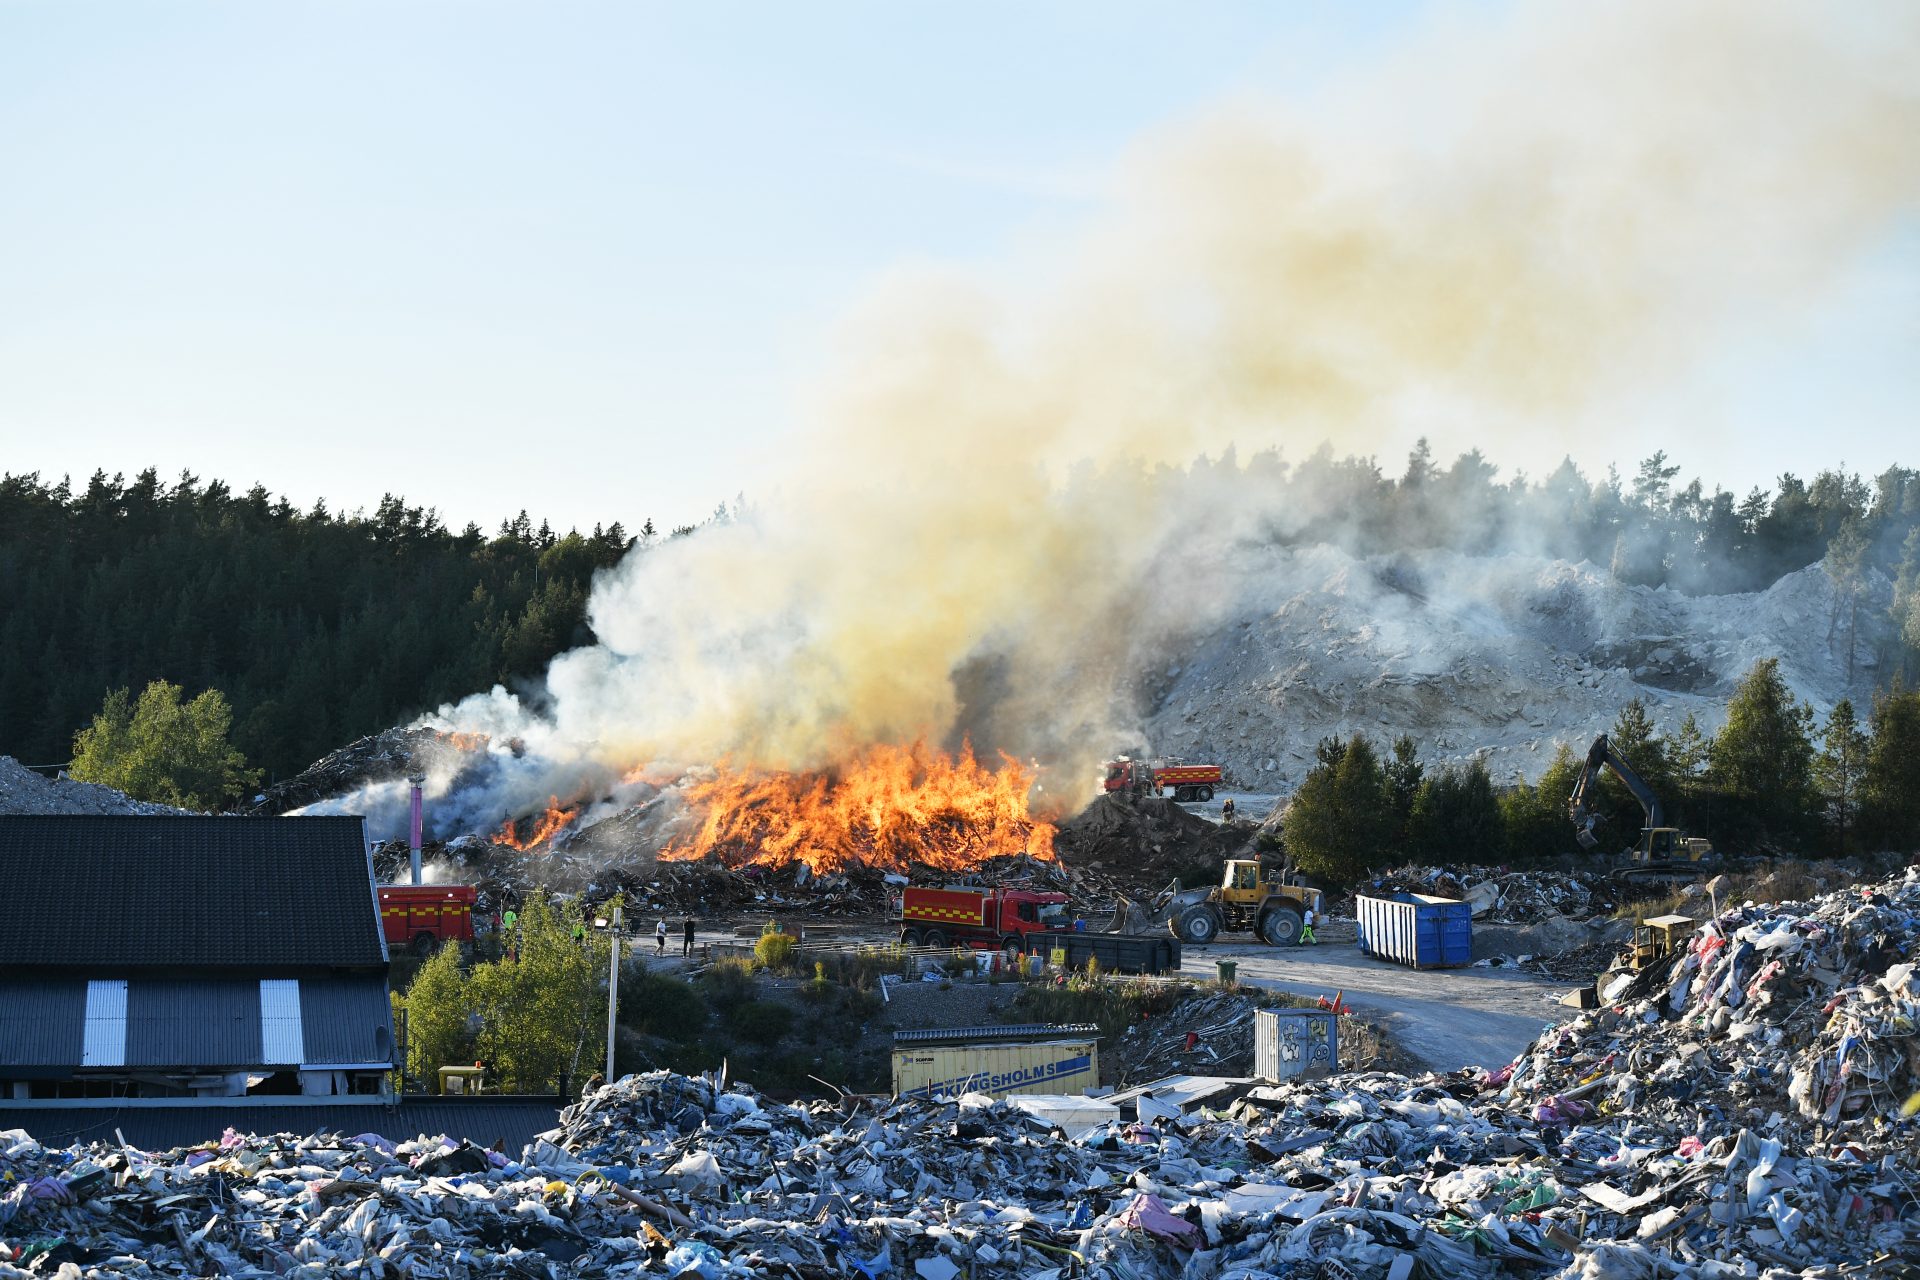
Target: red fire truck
[[423, 915], [1190, 782], [975, 917]]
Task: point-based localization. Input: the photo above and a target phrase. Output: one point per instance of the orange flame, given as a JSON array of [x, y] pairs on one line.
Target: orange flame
[[889, 808], [550, 825], [464, 741]]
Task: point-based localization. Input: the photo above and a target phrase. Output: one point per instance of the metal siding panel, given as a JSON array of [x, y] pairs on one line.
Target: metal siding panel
[[282, 1039], [42, 1024], [193, 1023], [105, 1042], [346, 1020]]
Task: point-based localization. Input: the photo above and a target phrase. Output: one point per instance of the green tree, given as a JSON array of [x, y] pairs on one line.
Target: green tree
[[544, 1015], [1456, 818], [1837, 772], [1687, 751], [1762, 758], [163, 750], [1404, 774], [438, 1006], [1534, 818], [1340, 821], [1889, 811]]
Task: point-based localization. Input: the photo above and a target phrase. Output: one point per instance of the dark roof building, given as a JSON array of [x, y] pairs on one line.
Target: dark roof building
[[190, 957]]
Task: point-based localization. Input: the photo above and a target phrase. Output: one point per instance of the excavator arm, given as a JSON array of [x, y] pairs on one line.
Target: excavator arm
[[1602, 756]]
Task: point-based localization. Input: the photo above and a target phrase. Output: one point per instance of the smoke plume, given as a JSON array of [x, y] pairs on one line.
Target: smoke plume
[[987, 526]]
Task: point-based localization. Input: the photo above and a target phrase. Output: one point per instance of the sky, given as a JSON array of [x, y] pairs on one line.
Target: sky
[[590, 259]]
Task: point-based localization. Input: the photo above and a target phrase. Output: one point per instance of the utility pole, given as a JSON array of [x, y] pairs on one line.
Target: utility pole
[[613, 993]]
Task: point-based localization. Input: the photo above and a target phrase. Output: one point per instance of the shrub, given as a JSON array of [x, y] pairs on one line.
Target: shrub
[[729, 982], [763, 1022], [774, 951], [656, 1005]]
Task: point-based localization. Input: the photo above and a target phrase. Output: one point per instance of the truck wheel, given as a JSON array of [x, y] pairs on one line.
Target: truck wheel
[[1280, 926], [423, 943], [1183, 795], [1011, 949], [1206, 793], [1197, 925], [934, 938], [909, 937]]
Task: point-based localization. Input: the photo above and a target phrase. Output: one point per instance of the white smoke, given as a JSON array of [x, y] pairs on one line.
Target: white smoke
[[978, 533]]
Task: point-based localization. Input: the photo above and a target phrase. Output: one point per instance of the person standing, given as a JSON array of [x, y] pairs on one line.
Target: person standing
[[660, 938], [686, 937], [1226, 811]]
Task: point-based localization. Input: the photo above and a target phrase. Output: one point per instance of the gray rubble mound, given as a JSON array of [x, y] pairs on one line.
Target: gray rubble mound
[[24, 792], [1499, 657], [1148, 835]]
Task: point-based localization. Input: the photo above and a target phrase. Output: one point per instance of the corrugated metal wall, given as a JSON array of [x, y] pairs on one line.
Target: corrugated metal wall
[[42, 1024], [185, 1022], [282, 1038], [106, 1033]]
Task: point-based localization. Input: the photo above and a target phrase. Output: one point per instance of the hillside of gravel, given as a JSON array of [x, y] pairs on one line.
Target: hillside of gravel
[[22, 791], [1497, 656]]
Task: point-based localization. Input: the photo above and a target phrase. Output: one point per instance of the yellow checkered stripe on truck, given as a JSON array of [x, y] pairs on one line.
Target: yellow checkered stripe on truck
[[944, 913]]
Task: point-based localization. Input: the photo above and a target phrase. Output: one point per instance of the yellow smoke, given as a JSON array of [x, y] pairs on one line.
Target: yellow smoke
[[975, 533]]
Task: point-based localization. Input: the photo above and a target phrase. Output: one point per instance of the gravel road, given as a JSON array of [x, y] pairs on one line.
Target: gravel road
[[1447, 1018]]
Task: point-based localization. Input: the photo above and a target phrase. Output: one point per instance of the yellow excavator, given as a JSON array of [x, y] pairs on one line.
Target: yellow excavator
[[1661, 850]]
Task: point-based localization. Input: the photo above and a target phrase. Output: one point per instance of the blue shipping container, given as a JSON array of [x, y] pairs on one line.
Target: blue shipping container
[[1413, 929]]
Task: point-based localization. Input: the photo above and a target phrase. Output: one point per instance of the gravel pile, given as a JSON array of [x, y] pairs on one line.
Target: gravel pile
[[22, 791]]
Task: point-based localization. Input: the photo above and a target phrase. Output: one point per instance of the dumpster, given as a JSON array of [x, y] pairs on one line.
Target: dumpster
[[1113, 952], [1414, 929], [1290, 1043]]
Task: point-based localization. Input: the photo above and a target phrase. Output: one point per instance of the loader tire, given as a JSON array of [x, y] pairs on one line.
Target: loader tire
[[1280, 927], [1197, 925]]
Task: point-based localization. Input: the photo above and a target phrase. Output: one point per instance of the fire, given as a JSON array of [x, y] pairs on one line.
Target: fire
[[464, 741], [890, 808], [549, 825]]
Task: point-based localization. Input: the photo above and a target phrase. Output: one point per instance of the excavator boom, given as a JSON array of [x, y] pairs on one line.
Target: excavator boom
[[1601, 755]]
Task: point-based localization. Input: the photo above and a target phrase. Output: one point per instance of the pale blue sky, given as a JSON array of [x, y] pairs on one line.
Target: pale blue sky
[[582, 258]]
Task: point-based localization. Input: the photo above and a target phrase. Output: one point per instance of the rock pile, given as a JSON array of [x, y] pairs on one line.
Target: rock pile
[[22, 791]]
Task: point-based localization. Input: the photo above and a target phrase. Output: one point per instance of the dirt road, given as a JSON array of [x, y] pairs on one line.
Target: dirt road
[[1447, 1018]]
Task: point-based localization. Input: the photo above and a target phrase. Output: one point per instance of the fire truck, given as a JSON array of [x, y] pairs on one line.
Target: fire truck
[[1130, 778], [422, 916], [975, 917]]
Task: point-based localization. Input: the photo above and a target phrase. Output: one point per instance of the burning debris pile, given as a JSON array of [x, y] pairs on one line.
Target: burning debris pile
[[889, 808], [1741, 1110]]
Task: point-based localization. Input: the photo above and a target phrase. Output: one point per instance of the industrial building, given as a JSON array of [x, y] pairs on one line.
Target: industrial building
[[157, 959]]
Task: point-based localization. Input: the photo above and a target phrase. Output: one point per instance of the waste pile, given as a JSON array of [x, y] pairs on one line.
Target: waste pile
[[378, 757], [1738, 1110], [25, 792], [1503, 896], [1148, 837]]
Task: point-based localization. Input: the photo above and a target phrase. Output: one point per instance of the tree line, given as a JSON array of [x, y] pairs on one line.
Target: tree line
[[1769, 780], [314, 627]]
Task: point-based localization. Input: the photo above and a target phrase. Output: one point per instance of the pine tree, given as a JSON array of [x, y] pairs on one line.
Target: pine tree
[[1340, 822], [1889, 812], [1837, 772], [1762, 758]]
